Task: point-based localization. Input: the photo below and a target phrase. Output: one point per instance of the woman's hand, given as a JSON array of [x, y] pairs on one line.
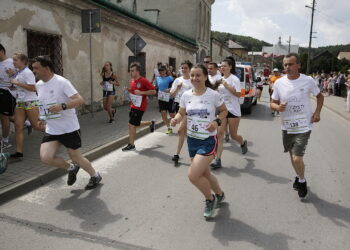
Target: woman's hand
[[212, 126]]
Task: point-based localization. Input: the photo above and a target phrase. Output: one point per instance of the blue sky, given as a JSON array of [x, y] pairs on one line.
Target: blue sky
[[268, 19]]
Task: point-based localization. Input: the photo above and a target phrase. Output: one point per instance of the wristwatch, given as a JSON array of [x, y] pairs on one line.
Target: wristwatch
[[64, 106], [218, 121]]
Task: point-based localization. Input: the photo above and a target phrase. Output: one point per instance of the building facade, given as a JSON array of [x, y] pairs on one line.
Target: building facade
[[280, 49], [191, 19], [53, 27]]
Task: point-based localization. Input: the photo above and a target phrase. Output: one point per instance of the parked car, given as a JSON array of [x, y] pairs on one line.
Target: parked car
[[248, 92]]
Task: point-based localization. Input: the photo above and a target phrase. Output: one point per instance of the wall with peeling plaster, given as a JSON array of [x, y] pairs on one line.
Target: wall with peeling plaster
[[62, 17]]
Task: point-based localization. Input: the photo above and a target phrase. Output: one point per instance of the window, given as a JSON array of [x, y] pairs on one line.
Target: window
[[40, 44], [172, 62], [140, 58]]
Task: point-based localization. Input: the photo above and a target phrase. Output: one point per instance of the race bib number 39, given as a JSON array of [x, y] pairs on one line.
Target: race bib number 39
[[296, 125], [196, 127]]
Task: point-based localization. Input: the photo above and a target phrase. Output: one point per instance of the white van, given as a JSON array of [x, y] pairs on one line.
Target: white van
[[248, 92]]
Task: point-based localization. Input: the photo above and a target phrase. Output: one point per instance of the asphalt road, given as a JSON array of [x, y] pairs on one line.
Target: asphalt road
[[147, 203]]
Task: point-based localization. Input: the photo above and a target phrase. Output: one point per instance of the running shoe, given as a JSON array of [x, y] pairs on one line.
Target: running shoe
[[5, 145], [29, 129], [93, 182], [302, 190], [111, 121], [227, 137], [169, 131], [216, 164], [129, 147], [16, 156], [72, 175], [296, 183], [244, 147], [175, 158], [219, 199], [152, 127], [209, 207]]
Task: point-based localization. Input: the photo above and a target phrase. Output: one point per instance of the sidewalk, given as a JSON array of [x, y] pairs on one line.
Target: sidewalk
[[337, 105], [98, 139]]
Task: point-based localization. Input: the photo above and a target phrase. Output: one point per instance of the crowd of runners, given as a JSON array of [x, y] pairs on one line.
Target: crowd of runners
[[202, 101]]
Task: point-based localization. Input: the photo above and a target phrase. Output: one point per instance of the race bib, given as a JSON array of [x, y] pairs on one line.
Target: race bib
[[45, 114], [20, 95], [163, 96], [107, 86], [296, 125], [177, 99], [136, 100], [196, 127], [227, 99]]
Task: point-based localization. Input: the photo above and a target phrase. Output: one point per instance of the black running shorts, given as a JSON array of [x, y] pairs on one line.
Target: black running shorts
[[70, 140], [135, 117], [7, 103]]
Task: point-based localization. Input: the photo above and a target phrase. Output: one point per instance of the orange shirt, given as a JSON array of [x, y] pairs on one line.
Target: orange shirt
[[274, 78]]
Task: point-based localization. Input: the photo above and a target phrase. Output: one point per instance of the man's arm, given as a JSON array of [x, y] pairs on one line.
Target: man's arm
[[74, 102], [316, 117]]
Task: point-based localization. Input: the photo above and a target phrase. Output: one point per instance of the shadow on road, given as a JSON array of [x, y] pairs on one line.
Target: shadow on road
[[338, 214], [250, 169], [92, 210], [154, 153], [260, 112], [228, 229]]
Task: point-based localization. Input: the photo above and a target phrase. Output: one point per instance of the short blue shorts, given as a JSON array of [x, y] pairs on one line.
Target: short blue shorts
[[202, 147]]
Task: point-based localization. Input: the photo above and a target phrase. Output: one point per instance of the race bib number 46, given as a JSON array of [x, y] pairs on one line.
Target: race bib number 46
[[196, 127]]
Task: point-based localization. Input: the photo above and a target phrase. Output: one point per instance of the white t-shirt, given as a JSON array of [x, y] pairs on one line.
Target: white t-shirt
[[25, 76], [297, 116], [203, 106], [215, 78], [186, 85], [231, 101], [58, 90], [4, 78]]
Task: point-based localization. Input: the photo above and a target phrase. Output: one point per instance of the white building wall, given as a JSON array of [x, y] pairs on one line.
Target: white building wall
[[63, 18]]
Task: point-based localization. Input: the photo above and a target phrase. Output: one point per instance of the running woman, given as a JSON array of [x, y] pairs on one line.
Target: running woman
[[229, 90], [165, 100], [139, 89], [58, 100], [27, 101], [109, 81], [260, 84], [7, 96], [200, 105], [291, 97], [180, 85]]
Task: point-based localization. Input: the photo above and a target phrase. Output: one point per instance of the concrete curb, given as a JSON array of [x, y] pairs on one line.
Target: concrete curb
[[22, 187]]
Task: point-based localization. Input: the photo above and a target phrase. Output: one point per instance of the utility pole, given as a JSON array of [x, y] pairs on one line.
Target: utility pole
[[310, 40], [289, 41]]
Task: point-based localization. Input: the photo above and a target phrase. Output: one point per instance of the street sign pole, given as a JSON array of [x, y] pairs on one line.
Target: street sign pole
[[90, 22], [91, 82]]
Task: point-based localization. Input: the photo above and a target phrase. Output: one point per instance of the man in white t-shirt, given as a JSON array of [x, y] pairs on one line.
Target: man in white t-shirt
[[57, 102], [214, 75], [7, 96], [291, 97]]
